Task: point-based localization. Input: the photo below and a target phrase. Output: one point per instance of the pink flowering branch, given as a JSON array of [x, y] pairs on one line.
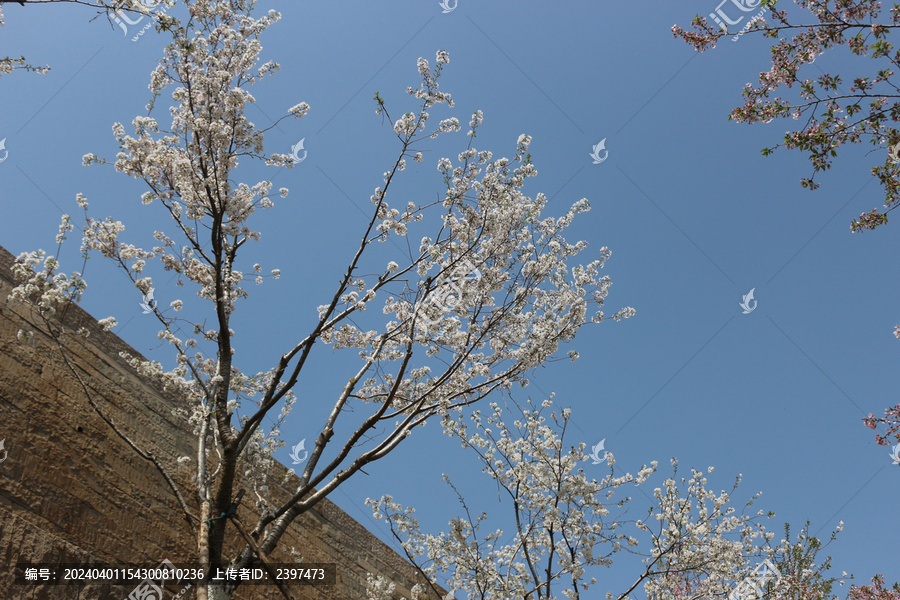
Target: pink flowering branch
[[876, 591], [891, 419], [866, 112]]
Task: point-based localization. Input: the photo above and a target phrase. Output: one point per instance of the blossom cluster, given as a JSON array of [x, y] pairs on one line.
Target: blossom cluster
[[876, 591], [41, 284], [891, 419]]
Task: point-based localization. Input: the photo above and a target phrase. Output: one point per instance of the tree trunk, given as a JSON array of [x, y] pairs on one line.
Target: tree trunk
[[203, 548]]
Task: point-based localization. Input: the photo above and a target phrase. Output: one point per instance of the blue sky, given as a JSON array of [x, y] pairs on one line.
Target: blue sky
[[694, 215]]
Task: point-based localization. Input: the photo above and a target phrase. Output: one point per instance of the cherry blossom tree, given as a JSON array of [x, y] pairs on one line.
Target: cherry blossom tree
[[489, 292], [697, 545]]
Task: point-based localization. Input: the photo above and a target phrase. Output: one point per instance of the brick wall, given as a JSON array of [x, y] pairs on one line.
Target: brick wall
[[72, 491]]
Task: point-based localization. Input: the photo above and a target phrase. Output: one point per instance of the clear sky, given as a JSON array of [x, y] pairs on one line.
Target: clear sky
[[694, 215]]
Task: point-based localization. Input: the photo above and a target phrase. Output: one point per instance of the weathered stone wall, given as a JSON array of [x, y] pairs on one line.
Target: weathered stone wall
[[72, 491]]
